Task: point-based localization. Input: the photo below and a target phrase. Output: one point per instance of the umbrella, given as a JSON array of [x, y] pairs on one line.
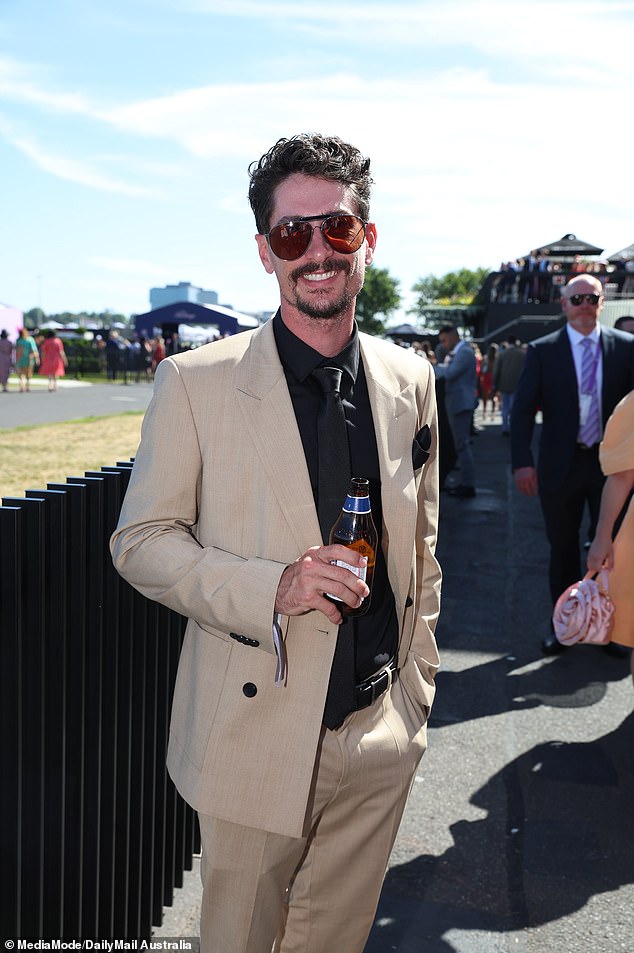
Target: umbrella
[[410, 332], [52, 326], [625, 253], [568, 246]]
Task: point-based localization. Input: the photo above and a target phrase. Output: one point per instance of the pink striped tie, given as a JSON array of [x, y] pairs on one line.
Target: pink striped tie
[[590, 431]]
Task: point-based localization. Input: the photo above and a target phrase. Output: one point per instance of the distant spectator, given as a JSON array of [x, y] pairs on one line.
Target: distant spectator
[[544, 280], [27, 357], [458, 371], [143, 367], [504, 285], [113, 355], [506, 374], [6, 359], [158, 352], [628, 284], [127, 359], [53, 362], [486, 388], [529, 277]]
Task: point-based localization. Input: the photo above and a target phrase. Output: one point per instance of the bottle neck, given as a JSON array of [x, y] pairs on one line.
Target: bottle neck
[[357, 504]]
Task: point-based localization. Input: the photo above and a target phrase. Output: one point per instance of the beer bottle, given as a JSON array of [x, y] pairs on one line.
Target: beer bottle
[[354, 528]]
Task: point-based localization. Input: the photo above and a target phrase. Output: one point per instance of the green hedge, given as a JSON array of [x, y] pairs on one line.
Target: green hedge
[[83, 357]]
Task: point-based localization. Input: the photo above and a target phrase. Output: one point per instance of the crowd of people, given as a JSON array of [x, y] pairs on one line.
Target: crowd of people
[[43, 353], [468, 378], [137, 358], [540, 278], [497, 372]]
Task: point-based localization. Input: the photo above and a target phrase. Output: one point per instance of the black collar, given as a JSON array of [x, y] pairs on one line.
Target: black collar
[[301, 359]]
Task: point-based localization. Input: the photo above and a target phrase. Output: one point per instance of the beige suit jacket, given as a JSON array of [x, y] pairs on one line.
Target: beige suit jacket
[[219, 503]]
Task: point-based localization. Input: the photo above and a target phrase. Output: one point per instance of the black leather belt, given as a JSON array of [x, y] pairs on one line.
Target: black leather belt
[[367, 691]]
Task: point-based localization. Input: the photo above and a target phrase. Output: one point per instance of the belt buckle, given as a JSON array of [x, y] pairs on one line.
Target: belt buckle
[[387, 673]]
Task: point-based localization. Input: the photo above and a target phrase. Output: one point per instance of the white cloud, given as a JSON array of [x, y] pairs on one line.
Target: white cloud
[[24, 83], [78, 171], [551, 33]]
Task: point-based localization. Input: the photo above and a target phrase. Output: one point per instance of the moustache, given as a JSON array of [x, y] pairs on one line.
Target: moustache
[[314, 266]]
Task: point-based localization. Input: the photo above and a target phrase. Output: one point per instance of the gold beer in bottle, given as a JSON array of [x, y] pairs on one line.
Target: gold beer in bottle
[[354, 528]]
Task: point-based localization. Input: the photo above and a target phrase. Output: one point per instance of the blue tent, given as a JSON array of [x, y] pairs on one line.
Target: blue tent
[[168, 318]]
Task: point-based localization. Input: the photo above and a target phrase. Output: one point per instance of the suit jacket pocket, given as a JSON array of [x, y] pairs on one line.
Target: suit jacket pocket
[[199, 683], [420, 447]]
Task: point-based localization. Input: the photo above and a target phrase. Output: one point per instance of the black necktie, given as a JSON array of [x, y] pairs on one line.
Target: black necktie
[[334, 477], [333, 452]]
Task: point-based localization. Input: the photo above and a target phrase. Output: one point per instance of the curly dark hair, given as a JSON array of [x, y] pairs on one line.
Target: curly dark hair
[[326, 157]]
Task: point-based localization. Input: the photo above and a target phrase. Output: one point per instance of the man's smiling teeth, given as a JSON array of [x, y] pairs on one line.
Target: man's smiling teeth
[[319, 276]]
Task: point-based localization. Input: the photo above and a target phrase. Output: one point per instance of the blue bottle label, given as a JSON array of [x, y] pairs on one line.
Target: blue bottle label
[[357, 504]]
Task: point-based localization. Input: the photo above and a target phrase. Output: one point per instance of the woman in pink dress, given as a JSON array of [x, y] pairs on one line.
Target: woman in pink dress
[[616, 454], [53, 361]]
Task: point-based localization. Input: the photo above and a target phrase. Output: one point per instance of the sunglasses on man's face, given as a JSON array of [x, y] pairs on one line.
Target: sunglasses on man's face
[[579, 299], [344, 233]]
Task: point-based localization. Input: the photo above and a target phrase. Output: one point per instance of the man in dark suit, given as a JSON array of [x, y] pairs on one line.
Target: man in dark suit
[[458, 371], [576, 395]]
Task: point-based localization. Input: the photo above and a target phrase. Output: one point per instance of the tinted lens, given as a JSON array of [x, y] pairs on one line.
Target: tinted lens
[[578, 299], [290, 239], [345, 233]]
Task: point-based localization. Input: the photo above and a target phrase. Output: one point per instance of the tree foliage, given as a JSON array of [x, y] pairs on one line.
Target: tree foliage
[[456, 287], [378, 298]]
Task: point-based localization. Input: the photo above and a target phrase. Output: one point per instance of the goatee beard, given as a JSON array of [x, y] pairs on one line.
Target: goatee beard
[[335, 308]]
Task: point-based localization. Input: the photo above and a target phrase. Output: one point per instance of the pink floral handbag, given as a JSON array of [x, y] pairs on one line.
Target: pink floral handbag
[[584, 611]]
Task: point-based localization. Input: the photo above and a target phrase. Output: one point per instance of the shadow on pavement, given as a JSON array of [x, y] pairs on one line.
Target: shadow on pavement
[[567, 836], [558, 824]]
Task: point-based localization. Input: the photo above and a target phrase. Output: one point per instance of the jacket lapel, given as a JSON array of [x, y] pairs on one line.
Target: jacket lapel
[[263, 399], [395, 427], [608, 397]]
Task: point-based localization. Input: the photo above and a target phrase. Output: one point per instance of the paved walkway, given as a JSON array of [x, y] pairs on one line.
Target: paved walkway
[[72, 401]]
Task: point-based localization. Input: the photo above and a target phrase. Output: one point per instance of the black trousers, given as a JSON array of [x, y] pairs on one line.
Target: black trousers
[[563, 512]]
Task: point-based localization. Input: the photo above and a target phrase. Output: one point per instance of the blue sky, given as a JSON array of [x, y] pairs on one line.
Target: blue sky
[[126, 129]]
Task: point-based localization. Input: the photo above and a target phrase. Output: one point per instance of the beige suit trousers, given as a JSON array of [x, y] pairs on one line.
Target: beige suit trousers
[[318, 893]]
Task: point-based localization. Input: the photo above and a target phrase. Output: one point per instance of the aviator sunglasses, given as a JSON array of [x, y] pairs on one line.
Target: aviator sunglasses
[[345, 233], [578, 299]]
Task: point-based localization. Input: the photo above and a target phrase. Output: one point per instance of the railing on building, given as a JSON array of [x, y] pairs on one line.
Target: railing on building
[[94, 835], [544, 287]]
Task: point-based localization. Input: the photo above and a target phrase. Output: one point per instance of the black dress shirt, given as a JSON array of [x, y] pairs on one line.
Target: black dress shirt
[[376, 632]]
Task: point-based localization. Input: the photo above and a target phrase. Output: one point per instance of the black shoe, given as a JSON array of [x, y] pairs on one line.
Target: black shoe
[[462, 492], [551, 645]]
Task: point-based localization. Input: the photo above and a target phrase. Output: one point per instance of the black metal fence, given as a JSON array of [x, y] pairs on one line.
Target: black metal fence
[[93, 835]]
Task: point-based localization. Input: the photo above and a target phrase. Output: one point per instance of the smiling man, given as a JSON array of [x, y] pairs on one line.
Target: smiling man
[[575, 376], [296, 729]]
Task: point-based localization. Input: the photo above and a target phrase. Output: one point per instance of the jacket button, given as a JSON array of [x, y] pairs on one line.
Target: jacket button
[[249, 689], [409, 602]]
